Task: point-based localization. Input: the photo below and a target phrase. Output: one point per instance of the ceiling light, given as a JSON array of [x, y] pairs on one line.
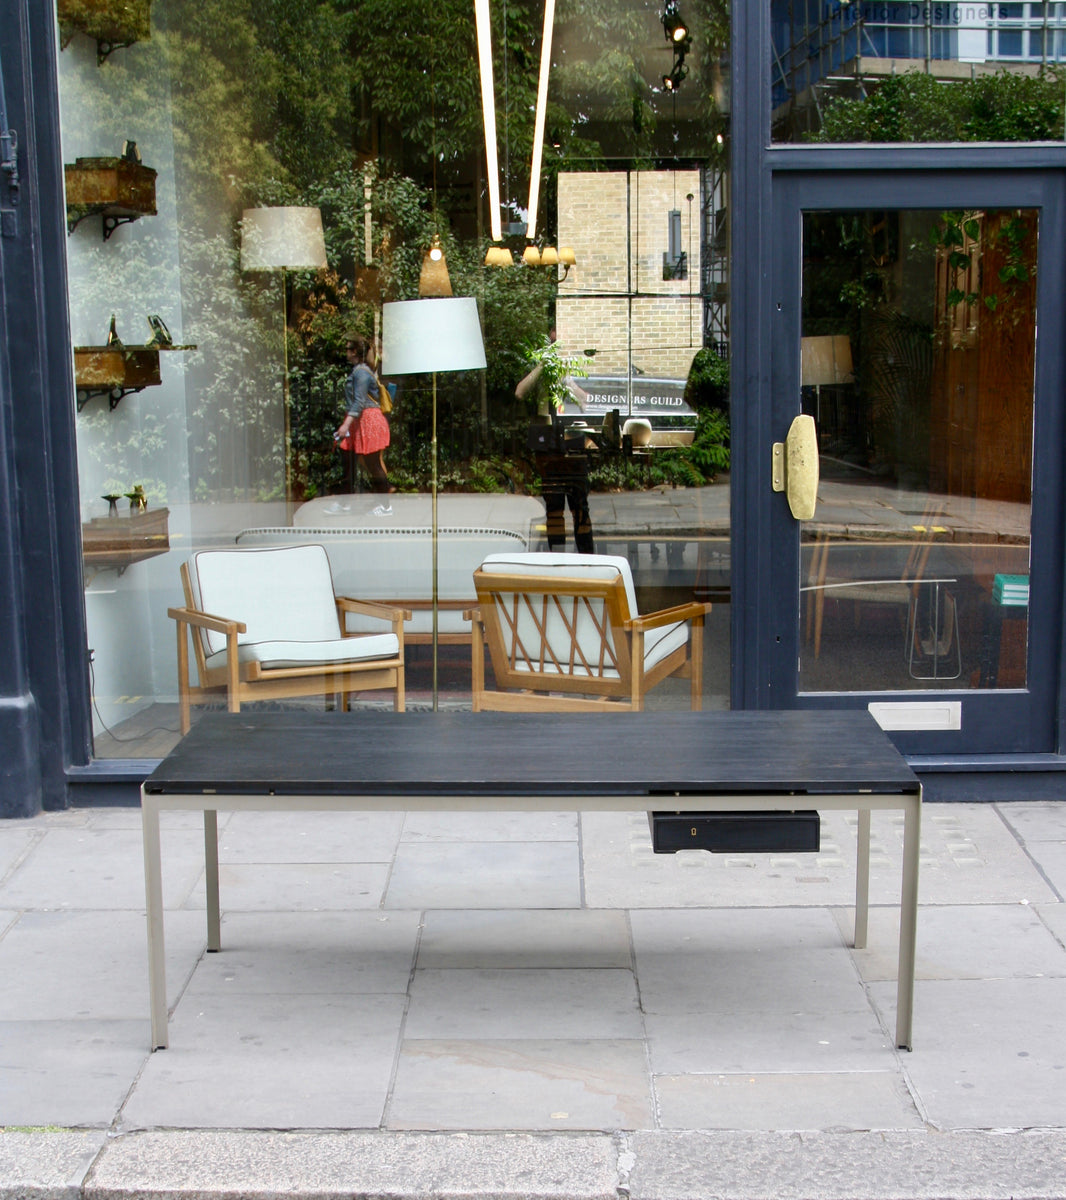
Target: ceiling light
[[538, 124], [488, 109], [673, 26], [433, 279], [672, 82]]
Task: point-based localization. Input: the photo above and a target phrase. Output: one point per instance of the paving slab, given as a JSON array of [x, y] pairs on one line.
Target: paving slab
[[997, 1057], [89, 965], [528, 1083], [778, 1100], [16, 839], [295, 887], [1050, 857], [490, 827], [80, 867], [987, 941], [546, 938], [311, 954], [68, 1073], [486, 875], [1054, 917], [270, 1062], [1036, 822], [309, 837], [523, 1003]]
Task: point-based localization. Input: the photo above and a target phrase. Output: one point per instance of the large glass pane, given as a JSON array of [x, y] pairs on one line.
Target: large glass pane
[[899, 72], [249, 184], [917, 363]]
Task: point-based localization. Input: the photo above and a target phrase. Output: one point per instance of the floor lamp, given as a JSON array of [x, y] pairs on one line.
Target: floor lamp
[[283, 239], [825, 360], [422, 337]]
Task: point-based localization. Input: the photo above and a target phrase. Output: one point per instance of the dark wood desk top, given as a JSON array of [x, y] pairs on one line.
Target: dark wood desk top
[[316, 754]]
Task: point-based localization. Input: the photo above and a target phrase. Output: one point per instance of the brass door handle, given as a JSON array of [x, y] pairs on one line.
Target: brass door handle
[[794, 468]]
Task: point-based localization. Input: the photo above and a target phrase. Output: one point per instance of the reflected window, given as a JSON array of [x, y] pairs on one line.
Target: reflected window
[[894, 72], [917, 363]]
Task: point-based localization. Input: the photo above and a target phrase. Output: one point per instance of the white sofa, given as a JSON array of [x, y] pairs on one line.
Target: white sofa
[[394, 565]]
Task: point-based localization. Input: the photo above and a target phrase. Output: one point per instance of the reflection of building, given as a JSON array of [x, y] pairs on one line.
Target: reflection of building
[[618, 300], [832, 49]]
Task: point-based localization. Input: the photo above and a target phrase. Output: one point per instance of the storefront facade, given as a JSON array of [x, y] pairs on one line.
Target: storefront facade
[[755, 205]]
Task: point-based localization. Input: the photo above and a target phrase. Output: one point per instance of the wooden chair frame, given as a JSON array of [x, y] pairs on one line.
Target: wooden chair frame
[[609, 678], [252, 681]]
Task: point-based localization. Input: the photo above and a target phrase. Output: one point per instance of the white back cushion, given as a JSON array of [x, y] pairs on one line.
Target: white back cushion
[[281, 595], [545, 632], [658, 643], [566, 566]]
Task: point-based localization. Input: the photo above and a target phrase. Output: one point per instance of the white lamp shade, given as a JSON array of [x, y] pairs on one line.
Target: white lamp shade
[[276, 238], [825, 360], [420, 336]]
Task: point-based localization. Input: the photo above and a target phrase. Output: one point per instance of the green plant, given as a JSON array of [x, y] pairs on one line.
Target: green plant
[[916, 107], [707, 385], [700, 463], [554, 369]]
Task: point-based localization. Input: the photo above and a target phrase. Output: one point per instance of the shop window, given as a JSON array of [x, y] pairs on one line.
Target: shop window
[[301, 169]]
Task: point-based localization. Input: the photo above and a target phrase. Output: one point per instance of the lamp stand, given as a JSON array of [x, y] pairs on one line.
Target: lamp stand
[[285, 386], [433, 522]]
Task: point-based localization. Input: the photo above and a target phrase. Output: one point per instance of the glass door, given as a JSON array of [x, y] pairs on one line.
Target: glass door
[[924, 582]]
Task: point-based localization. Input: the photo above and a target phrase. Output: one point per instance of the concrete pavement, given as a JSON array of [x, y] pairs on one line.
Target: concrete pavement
[[533, 1005]]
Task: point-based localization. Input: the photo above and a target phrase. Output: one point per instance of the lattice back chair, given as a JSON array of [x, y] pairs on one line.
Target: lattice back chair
[[564, 634]]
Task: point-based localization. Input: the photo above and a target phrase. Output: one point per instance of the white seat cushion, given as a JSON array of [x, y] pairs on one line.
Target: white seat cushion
[[281, 595], [280, 654], [658, 643]]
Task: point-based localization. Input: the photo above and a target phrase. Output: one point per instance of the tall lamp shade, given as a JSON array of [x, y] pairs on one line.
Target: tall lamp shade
[[825, 359], [276, 239], [283, 239], [421, 337]]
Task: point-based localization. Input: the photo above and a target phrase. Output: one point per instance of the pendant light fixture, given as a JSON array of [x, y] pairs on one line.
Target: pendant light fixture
[[434, 279]]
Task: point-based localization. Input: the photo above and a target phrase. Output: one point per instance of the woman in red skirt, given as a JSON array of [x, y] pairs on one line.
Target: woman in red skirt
[[365, 421]]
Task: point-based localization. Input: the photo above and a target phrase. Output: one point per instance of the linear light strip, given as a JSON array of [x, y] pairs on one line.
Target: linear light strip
[[538, 126], [488, 109]]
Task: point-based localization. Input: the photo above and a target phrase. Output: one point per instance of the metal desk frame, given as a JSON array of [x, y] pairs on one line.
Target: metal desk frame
[[153, 801]]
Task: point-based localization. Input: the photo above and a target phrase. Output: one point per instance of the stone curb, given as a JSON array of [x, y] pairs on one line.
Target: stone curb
[[661, 1165]]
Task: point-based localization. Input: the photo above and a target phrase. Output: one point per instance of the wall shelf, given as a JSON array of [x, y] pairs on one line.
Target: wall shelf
[[117, 542], [119, 190], [112, 24], [115, 371]]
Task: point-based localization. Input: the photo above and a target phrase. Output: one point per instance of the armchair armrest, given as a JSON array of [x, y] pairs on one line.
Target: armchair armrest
[[190, 616], [368, 608], [693, 610]]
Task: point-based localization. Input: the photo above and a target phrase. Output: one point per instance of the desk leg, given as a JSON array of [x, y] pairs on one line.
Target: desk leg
[[862, 881], [214, 912], [153, 892], [908, 921]]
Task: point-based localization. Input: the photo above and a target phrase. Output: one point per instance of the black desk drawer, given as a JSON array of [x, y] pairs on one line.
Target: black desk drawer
[[735, 832]]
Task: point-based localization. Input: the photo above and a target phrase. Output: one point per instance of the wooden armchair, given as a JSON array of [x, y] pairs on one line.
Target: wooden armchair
[[265, 625], [564, 634]]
